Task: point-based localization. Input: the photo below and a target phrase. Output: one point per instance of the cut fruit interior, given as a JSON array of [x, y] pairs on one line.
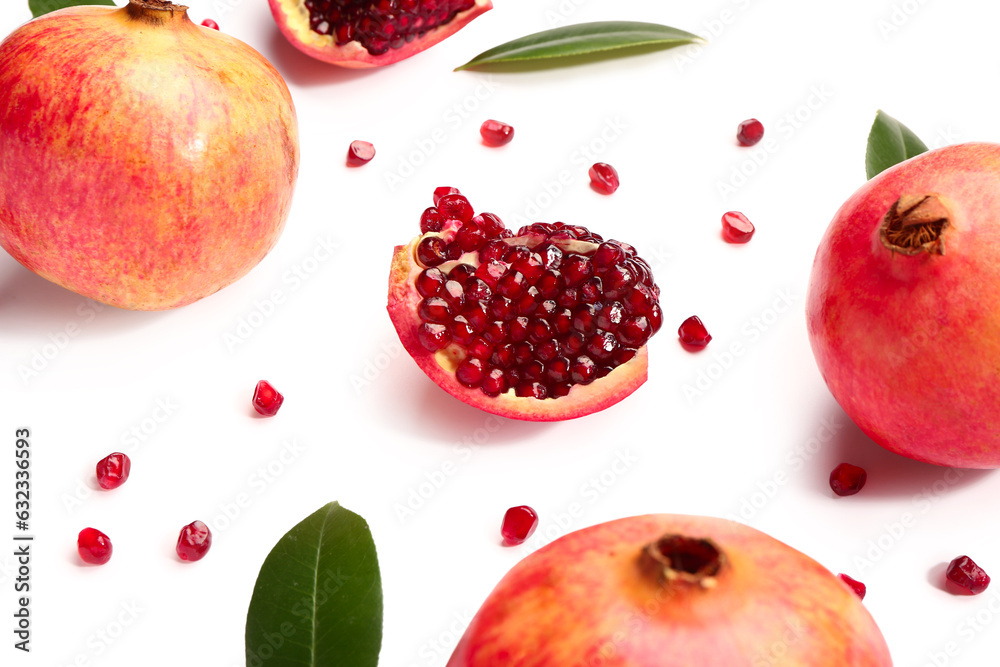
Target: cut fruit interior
[[547, 325], [362, 33]]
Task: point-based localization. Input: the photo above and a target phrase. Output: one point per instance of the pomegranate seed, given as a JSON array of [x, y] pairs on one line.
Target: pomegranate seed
[[455, 207], [964, 576], [194, 541], [604, 178], [209, 23], [491, 225], [693, 333], [94, 546], [750, 132], [434, 337], [518, 524], [859, 588], [495, 382], [496, 133], [736, 228], [359, 153], [847, 479], [431, 251], [113, 470], [471, 372], [431, 221], [266, 399], [444, 191]]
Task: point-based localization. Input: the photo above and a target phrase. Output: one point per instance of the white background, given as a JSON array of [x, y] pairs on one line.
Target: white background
[[369, 429]]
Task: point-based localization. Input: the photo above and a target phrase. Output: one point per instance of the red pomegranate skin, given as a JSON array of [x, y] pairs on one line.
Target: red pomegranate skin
[[583, 600], [145, 161], [910, 345]]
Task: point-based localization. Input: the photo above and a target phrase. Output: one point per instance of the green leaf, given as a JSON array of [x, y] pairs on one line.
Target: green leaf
[[39, 7], [582, 39], [318, 597], [889, 143]]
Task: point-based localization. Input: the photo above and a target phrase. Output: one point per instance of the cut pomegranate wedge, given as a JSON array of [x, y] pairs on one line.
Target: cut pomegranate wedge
[[362, 33], [545, 325]]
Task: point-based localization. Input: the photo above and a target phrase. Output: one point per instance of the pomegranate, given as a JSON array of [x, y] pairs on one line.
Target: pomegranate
[[903, 309], [361, 33], [661, 590], [544, 325], [145, 161]]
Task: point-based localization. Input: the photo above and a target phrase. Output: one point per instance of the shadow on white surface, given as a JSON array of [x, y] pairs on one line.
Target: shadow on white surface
[[936, 577], [32, 305], [303, 70]]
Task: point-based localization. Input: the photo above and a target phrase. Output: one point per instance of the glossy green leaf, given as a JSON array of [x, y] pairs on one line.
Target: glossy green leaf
[[39, 7], [318, 597], [889, 143], [583, 39]]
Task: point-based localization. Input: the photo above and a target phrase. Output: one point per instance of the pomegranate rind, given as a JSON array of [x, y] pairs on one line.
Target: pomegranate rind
[[909, 346], [292, 18], [584, 594], [440, 366]]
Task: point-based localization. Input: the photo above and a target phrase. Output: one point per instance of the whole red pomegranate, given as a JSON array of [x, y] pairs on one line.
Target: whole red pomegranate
[[670, 591], [145, 161], [362, 33], [547, 324], [903, 309]]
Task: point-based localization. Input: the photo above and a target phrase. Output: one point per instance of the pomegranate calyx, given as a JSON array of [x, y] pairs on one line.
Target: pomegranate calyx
[[151, 10], [681, 560], [915, 224]]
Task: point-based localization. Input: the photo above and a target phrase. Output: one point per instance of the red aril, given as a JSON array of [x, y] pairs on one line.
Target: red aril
[[359, 153], [495, 133], [847, 479], [736, 228], [194, 541], [266, 399], [362, 33], [963, 576], [94, 546], [209, 23], [750, 132], [546, 324], [856, 586], [518, 524], [604, 178], [693, 333], [113, 470]]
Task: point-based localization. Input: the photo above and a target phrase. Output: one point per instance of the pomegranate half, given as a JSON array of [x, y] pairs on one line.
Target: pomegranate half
[[903, 309], [145, 161], [362, 33], [545, 325], [670, 591]]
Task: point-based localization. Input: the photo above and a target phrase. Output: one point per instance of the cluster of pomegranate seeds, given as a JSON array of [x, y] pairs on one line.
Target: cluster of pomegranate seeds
[[736, 228], [518, 524], [750, 132], [93, 546], [964, 576], [847, 479], [859, 588], [359, 153], [113, 470], [693, 333], [380, 25], [209, 23], [495, 133], [194, 541], [604, 178], [266, 399], [537, 313]]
